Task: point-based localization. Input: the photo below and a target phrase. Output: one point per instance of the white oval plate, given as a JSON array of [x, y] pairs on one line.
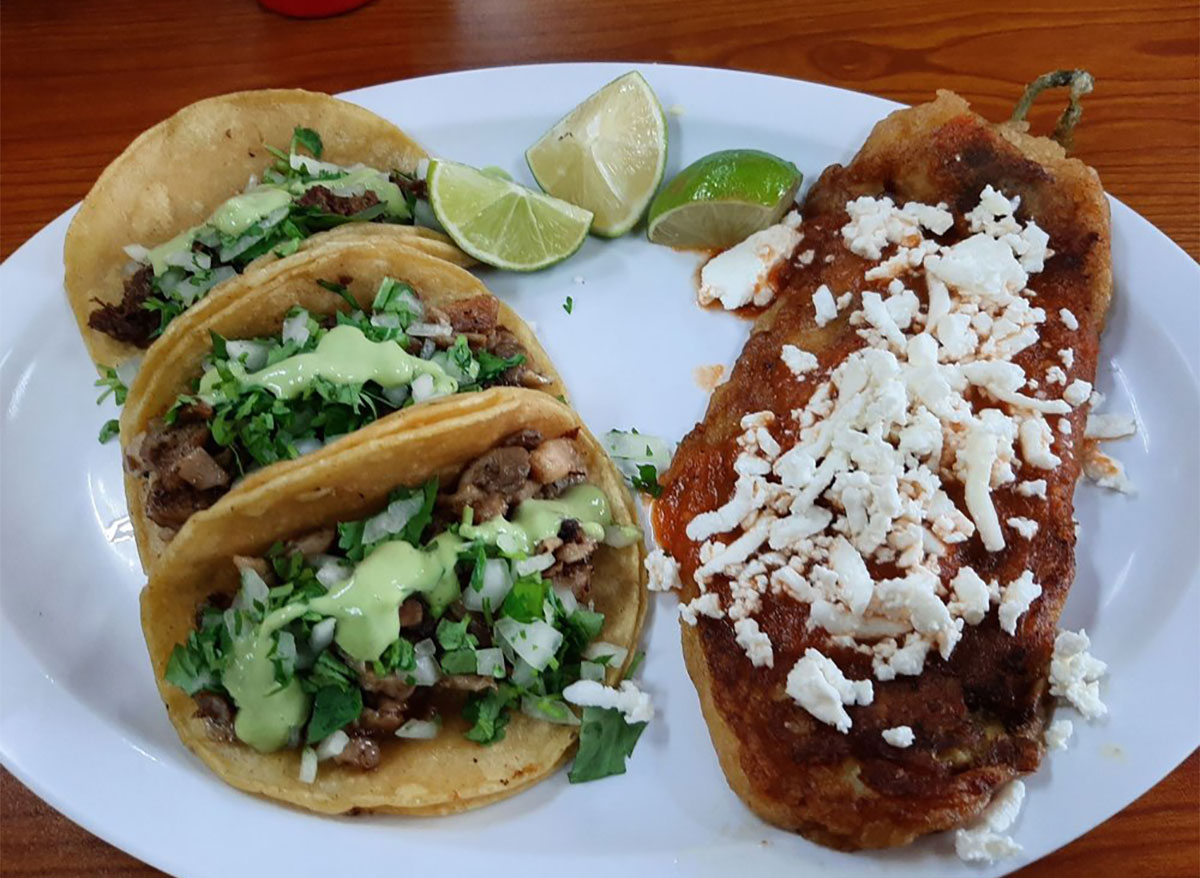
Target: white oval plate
[[80, 720]]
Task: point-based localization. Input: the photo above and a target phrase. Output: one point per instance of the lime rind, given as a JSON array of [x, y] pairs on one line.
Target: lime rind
[[723, 198], [502, 223], [607, 155]]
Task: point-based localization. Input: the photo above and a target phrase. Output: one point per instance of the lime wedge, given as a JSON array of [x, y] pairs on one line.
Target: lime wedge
[[607, 155], [722, 199], [503, 223]]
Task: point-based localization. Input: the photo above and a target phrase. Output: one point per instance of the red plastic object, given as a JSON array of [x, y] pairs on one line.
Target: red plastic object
[[311, 8]]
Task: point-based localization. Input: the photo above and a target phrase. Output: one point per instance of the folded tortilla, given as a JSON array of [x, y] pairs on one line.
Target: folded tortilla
[[255, 305], [172, 176], [353, 480]]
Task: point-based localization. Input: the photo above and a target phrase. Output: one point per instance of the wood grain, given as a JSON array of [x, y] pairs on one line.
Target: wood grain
[[80, 78]]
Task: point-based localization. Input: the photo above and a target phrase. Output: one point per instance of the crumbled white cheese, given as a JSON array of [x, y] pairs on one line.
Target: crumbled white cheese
[[1068, 319], [899, 736], [1067, 356], [1055, 375], [982, 841], [1075, 673], [972, 597], [1106, 471], [824, 306], [1026, 527], [798, 360], [707, 604], [1016, 599], [820, 687], [806, 257], [755, 642], [1109, 426], [1058, 733], [663, 571], [634, 704], [877, 222], [1032, 488], [741, 275], [1078, 392], [1064, 426]]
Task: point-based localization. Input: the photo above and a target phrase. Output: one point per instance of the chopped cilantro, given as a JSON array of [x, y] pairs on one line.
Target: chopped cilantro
[[646, 480], [308, 139], [569, 305], [460, 661], [605, 742], [333, 707], [454, 635], [113, 386], [111, 429], [488, 714], [638, 658], [525, 599]]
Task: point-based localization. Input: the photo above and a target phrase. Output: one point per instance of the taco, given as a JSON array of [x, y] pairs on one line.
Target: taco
[[296, 357], [196, 199], [408, 625]]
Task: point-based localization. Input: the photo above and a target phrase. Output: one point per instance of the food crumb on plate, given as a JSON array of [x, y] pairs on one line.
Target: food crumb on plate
[[709, 377]]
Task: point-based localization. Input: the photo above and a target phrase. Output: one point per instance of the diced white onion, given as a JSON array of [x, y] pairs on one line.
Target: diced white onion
[[396, 396], [295, 328], [275, 217], [419, 729], [425, 647], [422, 388], [427, 349], [393, 519], [530, 707], [427, 672], [308, 446], [591, 671], [497, 582], [285, 648], [252, 353], [535, 564], [308, 765], [566, 597], [332, 745], [535, 641], [322, 635], [127, 371], [600, 649], [522, 674], [331, 571], [489, 661], [386, 320], [621, 535], [254, 590], [430, 330], [631, 450], [422, 170], [313, 166], [137, 252]]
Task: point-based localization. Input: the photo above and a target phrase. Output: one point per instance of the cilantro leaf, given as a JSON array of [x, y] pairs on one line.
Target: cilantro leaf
[[308, 139], [399, 656], [460, 661], [646, 480], [569, 305], [638, 658], [110, 430], [525, 599], [333, 707], [454, 635], [341, 289], [113, 386], [489, 714], [605, 742], [492, 367]]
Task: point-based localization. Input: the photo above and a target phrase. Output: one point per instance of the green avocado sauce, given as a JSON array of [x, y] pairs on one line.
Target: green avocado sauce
[[343, 356], [236, 215], [366, 606]]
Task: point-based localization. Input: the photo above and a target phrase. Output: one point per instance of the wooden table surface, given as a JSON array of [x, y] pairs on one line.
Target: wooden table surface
[[80, 78]]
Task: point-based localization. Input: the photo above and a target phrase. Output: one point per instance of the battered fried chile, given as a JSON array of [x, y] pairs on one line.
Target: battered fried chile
[[298, 196], [473, 600], [263, 400]]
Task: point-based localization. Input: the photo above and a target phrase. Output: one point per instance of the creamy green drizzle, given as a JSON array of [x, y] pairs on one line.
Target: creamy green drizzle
[[366, 606], [343, 356], [239, 213]]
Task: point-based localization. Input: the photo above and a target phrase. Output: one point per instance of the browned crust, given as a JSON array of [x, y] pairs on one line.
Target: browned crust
[[979, 717]]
